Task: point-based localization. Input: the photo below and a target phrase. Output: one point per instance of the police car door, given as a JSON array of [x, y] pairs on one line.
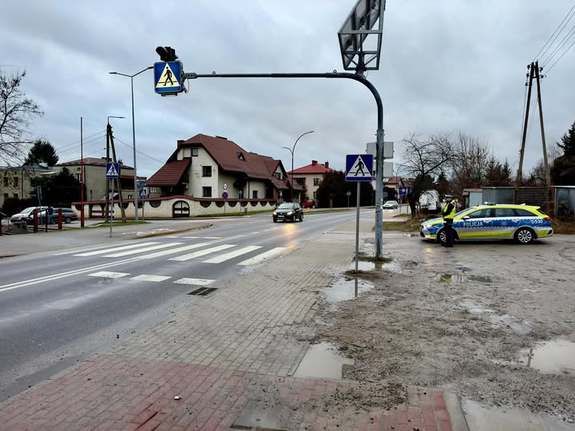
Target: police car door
[[478, 224]]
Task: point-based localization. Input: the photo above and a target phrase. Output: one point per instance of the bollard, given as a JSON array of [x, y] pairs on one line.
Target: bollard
[[35, 220], [1, 216], [60, 217], [82, 219]]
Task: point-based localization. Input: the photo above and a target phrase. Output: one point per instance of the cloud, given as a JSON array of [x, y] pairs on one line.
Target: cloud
[[447, 66]]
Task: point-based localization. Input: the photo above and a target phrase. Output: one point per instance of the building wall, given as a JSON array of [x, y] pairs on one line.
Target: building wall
[[309, 183], [95, 180], [18, 183], [196, 180]]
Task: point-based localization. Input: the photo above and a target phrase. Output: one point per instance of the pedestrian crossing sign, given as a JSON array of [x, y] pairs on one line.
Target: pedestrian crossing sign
[[112, 170], [168, 77], [358, 167]]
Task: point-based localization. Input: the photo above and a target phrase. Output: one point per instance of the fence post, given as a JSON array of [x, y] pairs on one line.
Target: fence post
[[59, 218], [35, 220]]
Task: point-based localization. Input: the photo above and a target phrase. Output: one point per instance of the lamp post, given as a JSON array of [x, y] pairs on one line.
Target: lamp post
[[136, 190], [109, 209], [292, 151]]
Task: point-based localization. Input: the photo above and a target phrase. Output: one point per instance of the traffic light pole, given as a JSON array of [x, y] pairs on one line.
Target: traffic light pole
[[380, 133]]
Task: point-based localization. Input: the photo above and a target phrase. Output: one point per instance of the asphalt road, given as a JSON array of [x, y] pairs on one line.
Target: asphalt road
[[56, 307]]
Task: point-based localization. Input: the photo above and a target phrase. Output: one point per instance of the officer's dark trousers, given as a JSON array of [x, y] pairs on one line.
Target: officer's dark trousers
[[449, 233]]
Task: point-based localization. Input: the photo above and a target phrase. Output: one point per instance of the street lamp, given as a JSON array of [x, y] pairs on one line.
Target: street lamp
[[136, 190], [292, 151]]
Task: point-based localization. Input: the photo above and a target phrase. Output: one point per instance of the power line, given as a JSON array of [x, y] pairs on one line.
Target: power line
[[140, 152], [556, 33], [561, 56], [561, 44]]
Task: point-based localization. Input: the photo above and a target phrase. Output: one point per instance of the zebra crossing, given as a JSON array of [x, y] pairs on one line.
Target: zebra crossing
[[208, 251]]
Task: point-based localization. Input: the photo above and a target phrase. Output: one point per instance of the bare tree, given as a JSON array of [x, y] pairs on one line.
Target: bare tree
[[424, 161], [16, 110], [469, 164]]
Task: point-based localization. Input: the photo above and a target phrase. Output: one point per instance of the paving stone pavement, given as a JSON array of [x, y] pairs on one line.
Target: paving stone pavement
[[222, 357]]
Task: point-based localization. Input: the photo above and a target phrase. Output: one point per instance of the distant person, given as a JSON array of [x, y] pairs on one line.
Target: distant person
[[448, 212]]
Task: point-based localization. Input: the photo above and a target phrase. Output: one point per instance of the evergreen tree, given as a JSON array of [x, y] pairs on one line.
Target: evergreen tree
[[568, 142], [42, 152]]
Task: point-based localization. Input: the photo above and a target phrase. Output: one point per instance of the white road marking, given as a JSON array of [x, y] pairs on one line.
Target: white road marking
[[108, 249], [174, 250], [81, 250], [227, 256], [57, 276], [202, 237], [194, 281], [263, 256], [151, 277], [143, 249], [108, 274], [200, 253]]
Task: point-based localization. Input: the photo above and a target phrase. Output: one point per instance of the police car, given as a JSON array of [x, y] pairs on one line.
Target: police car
[[523, 223]]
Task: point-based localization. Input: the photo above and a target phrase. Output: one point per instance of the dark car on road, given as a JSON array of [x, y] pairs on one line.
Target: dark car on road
[[288, 211]]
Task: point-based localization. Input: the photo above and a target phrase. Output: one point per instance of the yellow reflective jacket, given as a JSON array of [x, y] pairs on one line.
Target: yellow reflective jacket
[[448, 211]]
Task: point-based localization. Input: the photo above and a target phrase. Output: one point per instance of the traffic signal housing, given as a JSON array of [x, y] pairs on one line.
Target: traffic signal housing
[[166, 53]]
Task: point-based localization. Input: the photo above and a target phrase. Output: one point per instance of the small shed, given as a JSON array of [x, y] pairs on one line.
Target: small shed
[[565, 201]]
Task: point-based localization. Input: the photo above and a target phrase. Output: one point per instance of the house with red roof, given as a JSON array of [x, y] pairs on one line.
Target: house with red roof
[[310, 177], [214, 167]]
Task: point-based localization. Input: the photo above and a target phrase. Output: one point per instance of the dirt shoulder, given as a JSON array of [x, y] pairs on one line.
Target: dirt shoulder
[[462, 319]]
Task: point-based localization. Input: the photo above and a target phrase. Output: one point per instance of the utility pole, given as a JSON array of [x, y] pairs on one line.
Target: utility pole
[[542, 127], [108, 212], [529, 84], [82, 215]]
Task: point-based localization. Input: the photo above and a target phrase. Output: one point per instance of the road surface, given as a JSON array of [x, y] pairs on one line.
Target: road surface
[[56, 307]]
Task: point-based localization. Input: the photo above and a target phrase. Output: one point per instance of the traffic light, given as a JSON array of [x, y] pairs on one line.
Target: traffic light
[[166, 53]]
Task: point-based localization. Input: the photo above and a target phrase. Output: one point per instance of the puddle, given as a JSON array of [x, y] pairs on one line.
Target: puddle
[[322, 361], [255, 417], [518, 326], [345, 289], [552, 357], [460, 277], [370, 265]]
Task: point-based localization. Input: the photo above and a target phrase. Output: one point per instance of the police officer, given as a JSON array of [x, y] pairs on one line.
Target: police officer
[[448, 212]]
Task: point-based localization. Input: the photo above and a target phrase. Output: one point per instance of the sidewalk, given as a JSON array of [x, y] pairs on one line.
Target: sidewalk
[[227, 361]]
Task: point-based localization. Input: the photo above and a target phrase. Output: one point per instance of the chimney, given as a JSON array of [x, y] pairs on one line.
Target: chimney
[[314, 162], [326, 164]]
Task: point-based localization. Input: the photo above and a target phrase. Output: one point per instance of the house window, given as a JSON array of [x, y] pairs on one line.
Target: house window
[[314, 196], [240, 194], [300, 181], [254, 194], [206, 171], [194, 152], [241, 156], [206, 192], [15, 180], [316, 181], [15, 195]]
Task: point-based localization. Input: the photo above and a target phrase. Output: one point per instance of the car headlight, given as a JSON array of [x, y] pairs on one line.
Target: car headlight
[[290, 213], [275, 213]]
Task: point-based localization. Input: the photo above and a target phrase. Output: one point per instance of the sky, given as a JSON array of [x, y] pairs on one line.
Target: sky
[[447, 67]]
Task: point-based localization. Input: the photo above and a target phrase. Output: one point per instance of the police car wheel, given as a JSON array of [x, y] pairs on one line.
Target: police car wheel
[[524, 236], [442, 236]]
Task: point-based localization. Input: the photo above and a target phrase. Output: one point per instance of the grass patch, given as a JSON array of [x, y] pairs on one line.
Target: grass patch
[[409, 225], [566, 227]]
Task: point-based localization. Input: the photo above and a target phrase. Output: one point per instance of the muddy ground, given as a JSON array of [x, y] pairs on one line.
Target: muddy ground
[[463, 319]]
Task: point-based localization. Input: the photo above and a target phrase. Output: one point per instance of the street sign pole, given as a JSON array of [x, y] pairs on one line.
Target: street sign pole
[[357, 228], [111, 208], [379, 193]]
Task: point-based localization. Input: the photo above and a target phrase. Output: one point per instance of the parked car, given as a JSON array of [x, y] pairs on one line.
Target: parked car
[[310, 203], [23, 215], [523, 223], [288, 211], [390, 205], [68, 214]]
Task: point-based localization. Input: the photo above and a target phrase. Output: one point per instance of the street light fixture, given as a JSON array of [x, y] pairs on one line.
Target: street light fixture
[[292, 151], [136, 190]]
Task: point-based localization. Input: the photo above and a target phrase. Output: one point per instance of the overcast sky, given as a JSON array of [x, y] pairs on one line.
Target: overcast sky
[[447, 66]]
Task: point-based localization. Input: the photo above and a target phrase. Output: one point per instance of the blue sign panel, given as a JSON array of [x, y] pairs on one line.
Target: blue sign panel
[[168, 77], [112, 170], [358, 167]]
